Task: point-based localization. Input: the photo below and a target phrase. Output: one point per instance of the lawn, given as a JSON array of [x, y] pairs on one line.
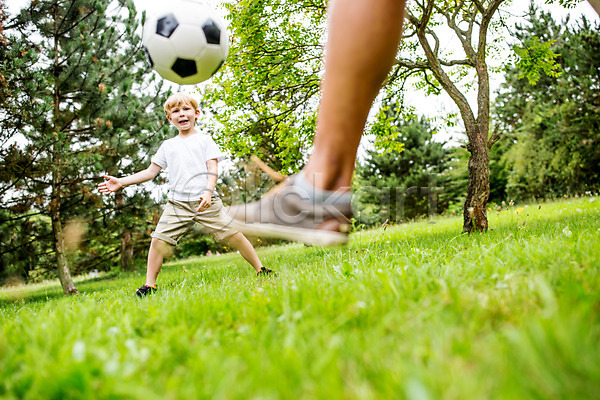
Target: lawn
[[415, 311]]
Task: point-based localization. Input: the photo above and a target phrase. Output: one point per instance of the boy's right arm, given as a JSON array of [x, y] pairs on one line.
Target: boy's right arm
[[113, 184]]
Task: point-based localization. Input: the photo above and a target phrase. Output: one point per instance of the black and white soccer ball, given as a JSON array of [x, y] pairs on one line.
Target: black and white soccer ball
[[187, 42]]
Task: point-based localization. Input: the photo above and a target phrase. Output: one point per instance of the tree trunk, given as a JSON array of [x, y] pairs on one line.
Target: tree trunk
[[127, 263], [126, 251], [478, 190], [62, 263]]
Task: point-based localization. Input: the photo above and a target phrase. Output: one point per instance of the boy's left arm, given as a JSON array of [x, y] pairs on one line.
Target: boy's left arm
[[213, 173]]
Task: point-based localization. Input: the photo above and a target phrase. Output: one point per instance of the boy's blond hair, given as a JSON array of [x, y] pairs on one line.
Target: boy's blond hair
[[177, 100]]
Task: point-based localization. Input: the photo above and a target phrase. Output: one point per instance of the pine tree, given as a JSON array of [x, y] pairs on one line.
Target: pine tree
[[5, 91], [553, 125], [400, 185], [82, 109]]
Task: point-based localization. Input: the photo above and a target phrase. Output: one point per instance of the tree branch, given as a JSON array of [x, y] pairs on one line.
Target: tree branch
[[494, 138], [463, 36], [436, 67], [453, 63], [412, 64]]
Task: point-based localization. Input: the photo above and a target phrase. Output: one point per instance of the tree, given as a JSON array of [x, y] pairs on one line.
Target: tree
[[553, 124], [4, 86], [421, 55], [400, 185], [265, 100], [79, 111], [3, 18]]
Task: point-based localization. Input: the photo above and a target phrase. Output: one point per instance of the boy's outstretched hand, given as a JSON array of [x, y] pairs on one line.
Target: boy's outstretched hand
[[112, 184]]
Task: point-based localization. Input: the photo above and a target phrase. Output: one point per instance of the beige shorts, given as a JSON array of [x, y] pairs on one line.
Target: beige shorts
[[179, 216]]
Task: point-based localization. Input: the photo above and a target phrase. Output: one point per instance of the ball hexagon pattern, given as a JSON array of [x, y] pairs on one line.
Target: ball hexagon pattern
[[186, 43], [166, 25]]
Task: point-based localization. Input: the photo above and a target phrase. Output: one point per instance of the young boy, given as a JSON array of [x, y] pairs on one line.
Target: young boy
[[192, 162]]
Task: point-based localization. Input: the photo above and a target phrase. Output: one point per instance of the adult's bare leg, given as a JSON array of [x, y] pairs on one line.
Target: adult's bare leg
[[362, 43]]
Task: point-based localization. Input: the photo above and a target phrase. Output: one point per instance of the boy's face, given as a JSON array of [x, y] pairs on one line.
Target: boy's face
[[183, 116]]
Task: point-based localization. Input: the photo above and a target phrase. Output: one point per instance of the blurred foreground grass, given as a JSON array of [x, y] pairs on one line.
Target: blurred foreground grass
[[415, 311]]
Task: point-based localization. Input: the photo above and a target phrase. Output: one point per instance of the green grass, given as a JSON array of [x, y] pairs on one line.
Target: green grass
[[415, 311]]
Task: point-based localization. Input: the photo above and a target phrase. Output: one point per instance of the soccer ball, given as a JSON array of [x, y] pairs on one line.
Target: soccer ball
[[186, 43]]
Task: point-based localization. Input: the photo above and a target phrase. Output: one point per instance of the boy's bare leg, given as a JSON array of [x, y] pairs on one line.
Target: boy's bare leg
[[239, 241], [362, 43], [158, 250]]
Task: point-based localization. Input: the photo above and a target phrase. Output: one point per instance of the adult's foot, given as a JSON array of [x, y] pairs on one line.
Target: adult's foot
[[296, 213]]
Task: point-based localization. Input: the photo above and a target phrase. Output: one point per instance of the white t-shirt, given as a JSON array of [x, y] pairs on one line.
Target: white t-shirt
[[185, 159]]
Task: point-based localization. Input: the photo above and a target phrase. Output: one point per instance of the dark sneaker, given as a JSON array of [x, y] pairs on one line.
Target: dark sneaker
[[289, 213], [145, 290], [266, 272]]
